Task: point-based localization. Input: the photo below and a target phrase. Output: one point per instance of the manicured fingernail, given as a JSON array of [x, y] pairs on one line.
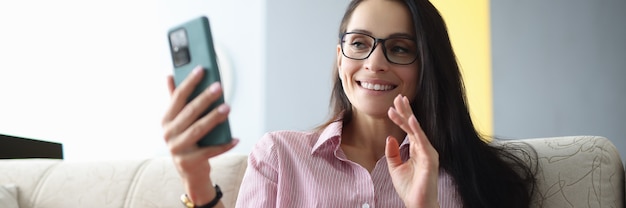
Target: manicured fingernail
[[197, 70], [223, 109], [216, 86]]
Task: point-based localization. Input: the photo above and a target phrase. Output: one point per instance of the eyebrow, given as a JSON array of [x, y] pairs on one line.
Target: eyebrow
[[394, 35]]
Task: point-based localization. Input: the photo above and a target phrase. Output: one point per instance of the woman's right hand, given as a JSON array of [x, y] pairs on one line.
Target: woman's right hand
[[183, 126]]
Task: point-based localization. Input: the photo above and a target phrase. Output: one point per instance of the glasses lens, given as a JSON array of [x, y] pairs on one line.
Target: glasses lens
[[357, 46], [401, 50], [398, 50]]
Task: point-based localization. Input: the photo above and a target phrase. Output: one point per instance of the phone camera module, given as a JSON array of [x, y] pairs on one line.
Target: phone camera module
[[179, 47]]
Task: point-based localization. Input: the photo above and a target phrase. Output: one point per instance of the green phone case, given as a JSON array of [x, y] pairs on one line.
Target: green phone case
[[199, 51]]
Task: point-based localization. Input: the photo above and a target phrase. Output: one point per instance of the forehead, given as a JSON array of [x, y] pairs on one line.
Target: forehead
[[381, 18]]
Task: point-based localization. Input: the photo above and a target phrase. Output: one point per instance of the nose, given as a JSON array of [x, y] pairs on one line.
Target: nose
[[377, 61]]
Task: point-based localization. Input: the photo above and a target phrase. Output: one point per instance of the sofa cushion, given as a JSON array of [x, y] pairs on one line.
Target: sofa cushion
[[27, 174], [231, 170], [8, 196]]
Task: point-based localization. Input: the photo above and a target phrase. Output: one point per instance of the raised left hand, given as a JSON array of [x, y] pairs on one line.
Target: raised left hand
[[416, 179]]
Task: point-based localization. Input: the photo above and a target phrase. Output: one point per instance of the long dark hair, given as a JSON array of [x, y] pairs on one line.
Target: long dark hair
[[485, 175]]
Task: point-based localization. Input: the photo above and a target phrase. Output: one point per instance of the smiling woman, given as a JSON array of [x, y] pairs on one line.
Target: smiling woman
[[371, 30], [399, 132]]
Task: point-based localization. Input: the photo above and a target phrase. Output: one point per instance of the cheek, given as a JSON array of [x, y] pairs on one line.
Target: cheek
[[347, 69], [410, 78]]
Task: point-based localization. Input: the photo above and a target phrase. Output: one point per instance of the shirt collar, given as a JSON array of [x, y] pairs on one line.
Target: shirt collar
[[332, 135]]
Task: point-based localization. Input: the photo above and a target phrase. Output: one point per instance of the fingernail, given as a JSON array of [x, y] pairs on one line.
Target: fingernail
[[197, 70], [216, 86], [223, 109]]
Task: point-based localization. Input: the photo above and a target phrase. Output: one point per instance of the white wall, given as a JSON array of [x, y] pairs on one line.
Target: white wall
[[83, 73], [91, 74], [558, 69], [301, 47]]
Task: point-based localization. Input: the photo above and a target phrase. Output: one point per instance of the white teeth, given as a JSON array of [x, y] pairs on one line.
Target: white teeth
[[377, 87]]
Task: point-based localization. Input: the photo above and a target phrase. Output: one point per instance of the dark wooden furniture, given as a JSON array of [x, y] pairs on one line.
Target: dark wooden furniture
[[13, 147]]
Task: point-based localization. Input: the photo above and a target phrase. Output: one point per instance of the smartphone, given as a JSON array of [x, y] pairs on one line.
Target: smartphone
[[191, 44]]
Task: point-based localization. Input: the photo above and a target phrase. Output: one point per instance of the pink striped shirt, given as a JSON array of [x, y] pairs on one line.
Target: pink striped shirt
[[309, 169]]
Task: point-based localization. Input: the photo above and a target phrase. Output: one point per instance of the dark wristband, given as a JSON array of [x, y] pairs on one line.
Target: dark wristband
[[189, 204]]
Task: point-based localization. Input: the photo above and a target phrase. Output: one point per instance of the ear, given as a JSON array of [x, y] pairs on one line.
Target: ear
[[339, 58]]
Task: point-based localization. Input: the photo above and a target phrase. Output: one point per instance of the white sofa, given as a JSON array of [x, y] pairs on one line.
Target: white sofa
[[579, 171]]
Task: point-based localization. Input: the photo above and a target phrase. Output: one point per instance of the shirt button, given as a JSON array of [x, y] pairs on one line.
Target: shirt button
[[366, 205]]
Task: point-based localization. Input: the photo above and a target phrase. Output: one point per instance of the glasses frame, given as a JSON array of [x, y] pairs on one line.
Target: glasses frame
[[376, 41]]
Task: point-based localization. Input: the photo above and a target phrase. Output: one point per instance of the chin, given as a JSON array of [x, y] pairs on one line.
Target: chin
[[372, 111]]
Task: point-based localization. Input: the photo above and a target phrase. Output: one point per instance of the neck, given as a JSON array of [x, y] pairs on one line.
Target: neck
[[369, 134]]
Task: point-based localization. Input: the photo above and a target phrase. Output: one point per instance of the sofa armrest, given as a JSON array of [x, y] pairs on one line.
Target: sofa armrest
[[575, 171]]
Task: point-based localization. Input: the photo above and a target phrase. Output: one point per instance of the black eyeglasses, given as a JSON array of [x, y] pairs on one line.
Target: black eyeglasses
[[397, 50]]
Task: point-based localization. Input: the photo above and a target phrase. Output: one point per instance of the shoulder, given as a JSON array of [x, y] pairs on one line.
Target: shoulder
[[448, 194], [290, 135], [284, 143], [289, 138]]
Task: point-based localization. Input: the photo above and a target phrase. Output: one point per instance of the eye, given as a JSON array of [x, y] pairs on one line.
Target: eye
[[401, 47], [399, 50], [358, 45]]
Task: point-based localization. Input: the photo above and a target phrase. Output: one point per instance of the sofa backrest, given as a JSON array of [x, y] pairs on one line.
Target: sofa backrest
[[573, 172], [51, 183]]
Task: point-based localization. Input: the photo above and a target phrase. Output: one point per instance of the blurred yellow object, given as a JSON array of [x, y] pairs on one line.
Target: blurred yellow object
[[469, 29]]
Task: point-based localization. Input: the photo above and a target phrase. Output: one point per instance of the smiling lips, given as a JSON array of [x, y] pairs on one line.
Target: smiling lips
[[376, 87]]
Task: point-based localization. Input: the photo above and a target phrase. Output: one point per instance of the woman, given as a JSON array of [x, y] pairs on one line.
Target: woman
[[399, 134]]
